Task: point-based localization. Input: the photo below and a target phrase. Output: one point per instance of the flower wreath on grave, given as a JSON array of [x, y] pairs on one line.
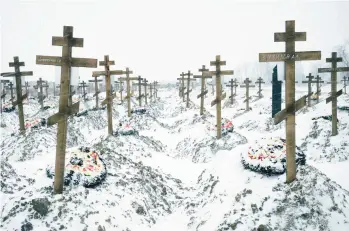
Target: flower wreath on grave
[[7, 107], [314, 96], [125, 128], [83, 167], [227, 126], [139, 111], [329, 118], [34, 123], [343, 108], [268, 156]]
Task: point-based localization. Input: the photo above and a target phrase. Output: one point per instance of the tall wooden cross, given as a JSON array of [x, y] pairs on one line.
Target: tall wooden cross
[[247, 85], [18, 77], [58, 87], [3, 94], [151, 92], [41, 96], [156, 88], [260, 81], [26, 86], [108, 97], [334, 94], [188, 85], [121, 88], [233, 84], [96, 89], [203, 90], [182, 88], [219, 96], [11, 88], [140, 90], [309, 82], [345, 80], [128, 92], [145, 81], [289, 57], [318, 89], [66, 62], [83, 85]]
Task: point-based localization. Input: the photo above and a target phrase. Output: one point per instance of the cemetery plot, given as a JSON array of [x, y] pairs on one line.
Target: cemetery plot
[[268, 156], [83, 167]]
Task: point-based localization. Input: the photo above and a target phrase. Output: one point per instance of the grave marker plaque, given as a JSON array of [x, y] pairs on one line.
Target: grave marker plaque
[[289, 57]]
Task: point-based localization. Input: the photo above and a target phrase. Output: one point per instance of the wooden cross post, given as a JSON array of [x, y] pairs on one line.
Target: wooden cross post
[[334, 94], [128, 92], [66, 62], [247, 86], [46, 86], [108, 97], [219, 96], [345, 79], [203, 90], [10, 87], [96, 89], [3, 94], [41, 96], [18, 76], [121, 88], [83, 86], [140, 90], [232, 85], [260, 81], [58, 87], [151, 92], [156, 89], [318, 90], [182, 88], [289, 57], [309, 82], [145, 90], [26, 86], [188, 85]]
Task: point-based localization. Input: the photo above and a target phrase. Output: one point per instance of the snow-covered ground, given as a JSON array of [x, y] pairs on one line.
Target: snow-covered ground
[[174, 175]]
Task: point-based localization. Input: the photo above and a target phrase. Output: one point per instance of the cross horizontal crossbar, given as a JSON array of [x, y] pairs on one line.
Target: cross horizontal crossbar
[[338, 69]]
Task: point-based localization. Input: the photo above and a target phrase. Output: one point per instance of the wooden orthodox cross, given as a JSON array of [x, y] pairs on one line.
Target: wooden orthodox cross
[[318, 90], [26, 86], [66, 62], [182, 88], [139, 84], [188, 85], [309, 82], [203, 90], [3, 93], [345, 79], [260, 81], [83, 86], [289, 57], [18, 76], [247, 86], [233, 84], [11, 88], [219, 96], [334, 94], [96, 89], [41, 96], [108, 97], [128, 92], [145, 90]]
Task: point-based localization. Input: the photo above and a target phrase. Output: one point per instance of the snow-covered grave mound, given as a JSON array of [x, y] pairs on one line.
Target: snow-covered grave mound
[[268, 156], [83, 167], [34, 123], [7, 107], [312, 202], [227, 126], [322, 146]]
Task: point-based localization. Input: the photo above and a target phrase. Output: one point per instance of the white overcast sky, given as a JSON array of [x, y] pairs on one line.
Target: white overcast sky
[[159, 39]]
